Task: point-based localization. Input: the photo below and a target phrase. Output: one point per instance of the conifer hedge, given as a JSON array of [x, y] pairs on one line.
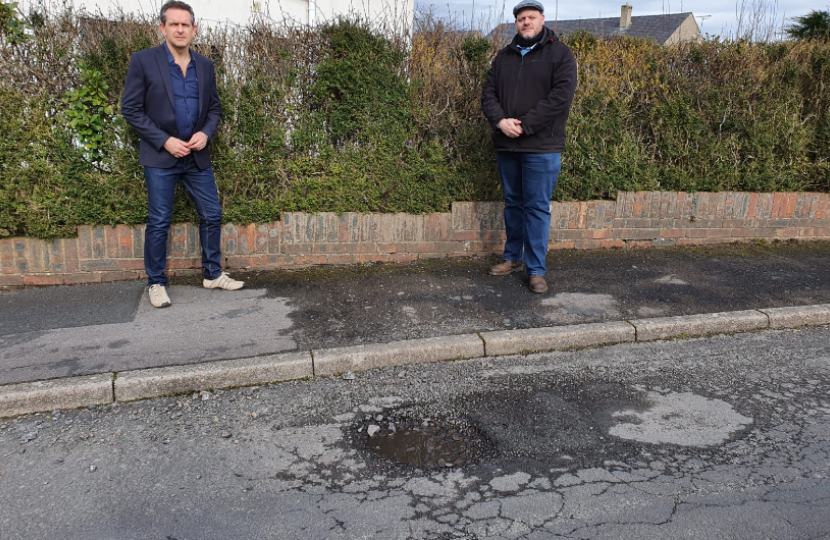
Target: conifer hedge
[[345, 118]]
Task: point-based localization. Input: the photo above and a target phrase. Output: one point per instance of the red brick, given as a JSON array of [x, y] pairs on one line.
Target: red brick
[[39, 251], [119, 276], [822, 205], [274, 233], [7, 265], [260, 239], [94, 265], [561, 244], [184, 262], [99, 243], [71, 262], [787, 232], [438, 227], [246, 262], [689, 241], [742, 233], [466, 236], [230, 243], [179, 272], [111, 244], [177, 241], [138, 241], [78, 278], [789, 206], [124, 234], [641, 234], [130, 264], [11, 281], [717, 233], [85, 242], [54, 256], [247, 239], [43, 279]]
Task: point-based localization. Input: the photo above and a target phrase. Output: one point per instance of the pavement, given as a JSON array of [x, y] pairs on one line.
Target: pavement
[[75, 346]]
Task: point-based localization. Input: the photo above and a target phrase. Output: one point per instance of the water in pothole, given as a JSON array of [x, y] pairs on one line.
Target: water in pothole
[[426, 444]]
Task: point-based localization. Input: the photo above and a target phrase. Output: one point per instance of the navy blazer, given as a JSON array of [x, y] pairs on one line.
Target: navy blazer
[[147, 104]]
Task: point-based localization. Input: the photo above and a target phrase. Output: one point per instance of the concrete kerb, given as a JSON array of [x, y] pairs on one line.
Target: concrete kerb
[[91, 390], [164, 381], [792, 317], [556, 338], [729, 322], [68, 393], [399, 353]]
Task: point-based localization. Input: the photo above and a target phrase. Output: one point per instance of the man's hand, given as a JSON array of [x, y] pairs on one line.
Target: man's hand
[[198, 141], [177, 147], [511, 127]]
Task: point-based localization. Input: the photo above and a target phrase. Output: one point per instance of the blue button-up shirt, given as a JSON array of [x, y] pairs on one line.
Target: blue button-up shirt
[[185, 96]]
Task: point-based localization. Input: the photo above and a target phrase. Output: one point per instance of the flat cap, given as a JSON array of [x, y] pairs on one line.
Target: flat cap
[[528, 4]]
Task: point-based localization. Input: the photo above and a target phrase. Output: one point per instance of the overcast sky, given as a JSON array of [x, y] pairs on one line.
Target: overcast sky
[[722, 14]]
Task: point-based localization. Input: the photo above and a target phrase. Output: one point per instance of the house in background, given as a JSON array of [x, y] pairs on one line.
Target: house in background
[[668, 29], [386, 13]]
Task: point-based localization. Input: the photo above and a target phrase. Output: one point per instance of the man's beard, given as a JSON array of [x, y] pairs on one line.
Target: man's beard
[[527, 42]]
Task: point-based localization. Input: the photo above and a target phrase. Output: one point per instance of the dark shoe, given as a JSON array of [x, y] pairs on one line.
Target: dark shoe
[[505, 268], [538, 284]]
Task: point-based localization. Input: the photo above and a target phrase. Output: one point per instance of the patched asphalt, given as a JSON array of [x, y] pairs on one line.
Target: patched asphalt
[[50, 332]]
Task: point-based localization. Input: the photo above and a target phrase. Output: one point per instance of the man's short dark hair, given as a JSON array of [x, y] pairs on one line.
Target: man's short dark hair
[[176, 4]]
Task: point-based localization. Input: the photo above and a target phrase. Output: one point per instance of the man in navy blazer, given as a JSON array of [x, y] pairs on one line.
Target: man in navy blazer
[[170, 99]]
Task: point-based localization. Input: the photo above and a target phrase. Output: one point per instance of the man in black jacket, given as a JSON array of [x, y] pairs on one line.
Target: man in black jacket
[[170, 98], [527, 98]]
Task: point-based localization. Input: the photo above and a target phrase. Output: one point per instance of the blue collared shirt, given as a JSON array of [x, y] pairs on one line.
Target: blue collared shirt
[[185, 96], [522, 50]]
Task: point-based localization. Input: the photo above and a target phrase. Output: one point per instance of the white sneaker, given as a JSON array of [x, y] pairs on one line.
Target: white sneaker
[[158, 296], [224, 281]]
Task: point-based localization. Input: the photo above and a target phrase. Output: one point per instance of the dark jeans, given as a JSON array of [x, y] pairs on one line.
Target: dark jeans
[[528, 181], [161, 185]]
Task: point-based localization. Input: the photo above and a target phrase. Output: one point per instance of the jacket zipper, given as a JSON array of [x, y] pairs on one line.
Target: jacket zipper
[[516, 90]]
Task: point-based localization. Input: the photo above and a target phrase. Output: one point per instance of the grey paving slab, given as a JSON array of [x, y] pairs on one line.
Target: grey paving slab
[[200, 326], [38, 309]]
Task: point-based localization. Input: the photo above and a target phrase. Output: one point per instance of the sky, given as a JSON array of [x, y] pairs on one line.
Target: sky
[[715, 17]]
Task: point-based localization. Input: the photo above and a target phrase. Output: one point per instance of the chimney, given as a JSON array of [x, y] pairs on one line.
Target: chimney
[[625, 15]]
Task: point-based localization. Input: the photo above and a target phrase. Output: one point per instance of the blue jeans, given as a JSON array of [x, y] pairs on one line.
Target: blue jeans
[[161, 185], [528, 181]]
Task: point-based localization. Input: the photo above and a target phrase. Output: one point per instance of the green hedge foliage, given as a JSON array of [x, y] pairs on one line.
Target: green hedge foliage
[[343, 118]]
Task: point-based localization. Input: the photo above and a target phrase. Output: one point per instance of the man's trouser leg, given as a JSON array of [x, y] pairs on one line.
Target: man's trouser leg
[[161, 186], [201, 185], [539, 175], [510, 170]]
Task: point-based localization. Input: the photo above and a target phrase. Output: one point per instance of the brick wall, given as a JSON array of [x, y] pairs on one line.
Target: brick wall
[[640, 219]]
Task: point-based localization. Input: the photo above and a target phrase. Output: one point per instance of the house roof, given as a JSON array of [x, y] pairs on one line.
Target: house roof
[[657, 27]]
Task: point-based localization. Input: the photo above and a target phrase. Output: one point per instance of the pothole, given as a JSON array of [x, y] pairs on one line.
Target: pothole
[[426, 444]]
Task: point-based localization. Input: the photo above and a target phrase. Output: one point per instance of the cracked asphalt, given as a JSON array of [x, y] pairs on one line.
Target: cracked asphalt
[[725, 437]]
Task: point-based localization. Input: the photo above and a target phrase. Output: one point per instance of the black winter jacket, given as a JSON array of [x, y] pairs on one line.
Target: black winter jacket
[[536, 89]]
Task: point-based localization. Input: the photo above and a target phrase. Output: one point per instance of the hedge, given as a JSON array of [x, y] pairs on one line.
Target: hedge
[[342, 117]]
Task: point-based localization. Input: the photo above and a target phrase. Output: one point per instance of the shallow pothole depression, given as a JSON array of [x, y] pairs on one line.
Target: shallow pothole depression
[[426, 444]]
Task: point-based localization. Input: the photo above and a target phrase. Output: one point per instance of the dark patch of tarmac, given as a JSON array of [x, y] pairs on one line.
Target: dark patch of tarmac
[[381, 303]]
